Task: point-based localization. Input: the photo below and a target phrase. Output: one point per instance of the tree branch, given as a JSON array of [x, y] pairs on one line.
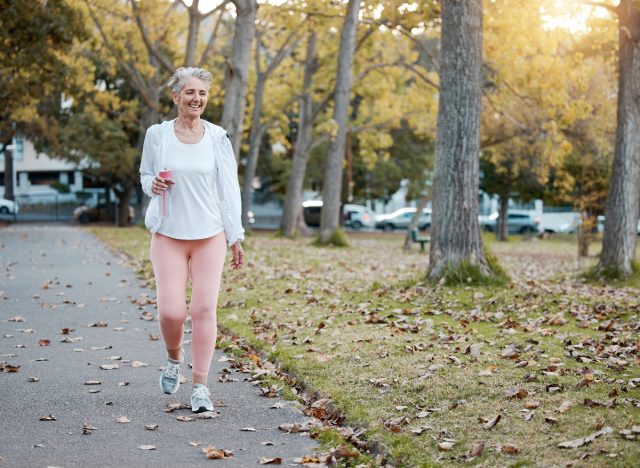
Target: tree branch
[[422, 76], [214, 34], [162, 59]]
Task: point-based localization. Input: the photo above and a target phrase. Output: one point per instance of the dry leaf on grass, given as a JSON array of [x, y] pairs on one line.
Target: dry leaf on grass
[[446, 445], [565, 407], [490, 424], [516, 392], [508, 448], [585, 440], [476, 451]]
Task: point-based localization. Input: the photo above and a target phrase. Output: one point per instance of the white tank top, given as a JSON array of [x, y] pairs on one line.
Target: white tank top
[[192, 207]]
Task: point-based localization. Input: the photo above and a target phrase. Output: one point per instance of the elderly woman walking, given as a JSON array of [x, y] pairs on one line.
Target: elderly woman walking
[[189, 170]]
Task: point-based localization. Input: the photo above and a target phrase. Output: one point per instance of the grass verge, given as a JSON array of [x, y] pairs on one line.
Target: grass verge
[[433, 373]]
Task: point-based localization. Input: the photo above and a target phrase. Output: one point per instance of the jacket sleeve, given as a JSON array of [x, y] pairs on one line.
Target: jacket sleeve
[[229, 192], [149, 156]]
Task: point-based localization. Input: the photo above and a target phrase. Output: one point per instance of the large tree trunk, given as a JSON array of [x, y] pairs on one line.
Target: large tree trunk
[[236, 72], [502, 223], [332, 185], [192, 36], [408, 240], [9, 189], [455, 232], [255, 138], [619, 242], [124, 198], [292, 210]]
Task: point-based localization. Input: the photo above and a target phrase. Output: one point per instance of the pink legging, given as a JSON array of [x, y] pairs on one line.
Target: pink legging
[[173, 260]]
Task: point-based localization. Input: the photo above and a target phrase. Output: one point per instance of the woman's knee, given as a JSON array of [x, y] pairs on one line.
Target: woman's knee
[[172, 312], [202, 310]]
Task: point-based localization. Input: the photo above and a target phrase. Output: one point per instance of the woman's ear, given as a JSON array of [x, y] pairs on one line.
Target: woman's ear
[[175, 97]]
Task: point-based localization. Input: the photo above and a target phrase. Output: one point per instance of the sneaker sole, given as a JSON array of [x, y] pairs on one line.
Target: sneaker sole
[[164, 391], [202, 409]]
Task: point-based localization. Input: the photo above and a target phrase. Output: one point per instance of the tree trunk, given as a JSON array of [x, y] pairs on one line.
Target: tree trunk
[[292, 210], [408, 240], [502, 223], [124, 198], [9, 189], [619, 242], [455, 231], [585, 233], [192, 36], [255, 138], [332, 186], [235, 78]]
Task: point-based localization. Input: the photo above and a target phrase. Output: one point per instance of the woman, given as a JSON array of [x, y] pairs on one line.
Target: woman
[[193, 216]]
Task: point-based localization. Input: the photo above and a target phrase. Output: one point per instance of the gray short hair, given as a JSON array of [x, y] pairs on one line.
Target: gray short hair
[[176, 82]]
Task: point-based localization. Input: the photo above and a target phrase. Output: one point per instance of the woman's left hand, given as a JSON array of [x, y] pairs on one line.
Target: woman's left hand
[[237, 260]]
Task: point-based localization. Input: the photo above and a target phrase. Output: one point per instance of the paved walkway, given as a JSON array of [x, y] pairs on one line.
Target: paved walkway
[[55, 282]]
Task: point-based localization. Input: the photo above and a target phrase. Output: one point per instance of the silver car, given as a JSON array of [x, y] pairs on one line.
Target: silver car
[[401, 218]]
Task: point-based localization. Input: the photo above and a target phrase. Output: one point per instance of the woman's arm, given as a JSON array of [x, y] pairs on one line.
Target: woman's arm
[[147, 166]]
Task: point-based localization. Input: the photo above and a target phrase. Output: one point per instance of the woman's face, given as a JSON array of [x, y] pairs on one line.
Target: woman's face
[[192, 98]]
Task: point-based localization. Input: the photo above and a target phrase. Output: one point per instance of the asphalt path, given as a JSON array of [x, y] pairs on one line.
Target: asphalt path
[[55, 282]]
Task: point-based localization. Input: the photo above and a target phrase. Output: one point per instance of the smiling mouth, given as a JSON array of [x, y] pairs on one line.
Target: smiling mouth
[[194, 106]]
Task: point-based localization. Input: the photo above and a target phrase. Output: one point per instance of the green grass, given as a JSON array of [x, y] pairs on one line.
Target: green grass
[[357, 326]]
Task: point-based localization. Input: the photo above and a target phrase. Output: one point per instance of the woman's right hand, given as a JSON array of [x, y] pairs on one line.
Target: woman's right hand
[[160, 185]]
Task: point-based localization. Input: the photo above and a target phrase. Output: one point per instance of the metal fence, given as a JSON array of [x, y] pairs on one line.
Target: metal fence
[[49, 207]]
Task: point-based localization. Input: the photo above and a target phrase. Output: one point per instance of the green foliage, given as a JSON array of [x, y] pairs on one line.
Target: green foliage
[[612, 276], [338, 239], [466, 273], [60, 187]]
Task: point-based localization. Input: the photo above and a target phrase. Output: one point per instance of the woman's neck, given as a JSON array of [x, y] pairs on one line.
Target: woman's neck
[[189, 124]]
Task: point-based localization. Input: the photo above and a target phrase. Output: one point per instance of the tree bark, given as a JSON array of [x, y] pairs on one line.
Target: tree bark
[[502, 223], [292, 210], [9, 189], [619, 242], [192, 36], [455, 232], [235, 77], [408, 240], [332, 186]]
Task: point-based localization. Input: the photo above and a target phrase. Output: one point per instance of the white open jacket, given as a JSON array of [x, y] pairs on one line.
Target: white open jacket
[[227, 186]]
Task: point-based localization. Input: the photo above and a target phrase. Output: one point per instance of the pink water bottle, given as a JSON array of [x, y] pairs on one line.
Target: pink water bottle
[[166, 175]]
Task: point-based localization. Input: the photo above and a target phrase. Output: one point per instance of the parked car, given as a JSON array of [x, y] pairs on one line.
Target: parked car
[[401, 218], [358, 216], [8, 206], [601, 219], [100, 212], [518, 222]]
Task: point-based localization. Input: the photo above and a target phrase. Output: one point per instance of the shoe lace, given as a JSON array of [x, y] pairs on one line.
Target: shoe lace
[[201, 392], [172, 371]]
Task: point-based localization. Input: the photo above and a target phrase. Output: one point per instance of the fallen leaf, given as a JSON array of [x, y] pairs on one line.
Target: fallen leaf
[[270, 461], [44, 342], [345, 452], [492, 422], [93, 382], [33, 379], [139, 364], [109, 366], [124, 383], [48, 418], [585, 440], [565, 407], [151, 427], [17, 318], [476, 451], [184, 418], [516, 392], [509, 448], [9, 368], [87, 429], [446, 445], [213, 453], [147, 447], [123, 420], [532, 404], [248, 429]]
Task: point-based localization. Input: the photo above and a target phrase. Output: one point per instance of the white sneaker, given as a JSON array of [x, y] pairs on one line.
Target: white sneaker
[[200, 399], [170, 378]]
